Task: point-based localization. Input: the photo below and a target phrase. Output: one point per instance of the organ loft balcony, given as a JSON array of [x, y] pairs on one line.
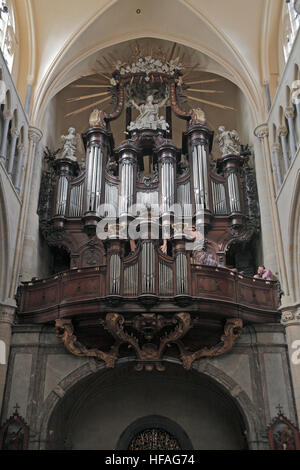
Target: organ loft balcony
[[153, 243]]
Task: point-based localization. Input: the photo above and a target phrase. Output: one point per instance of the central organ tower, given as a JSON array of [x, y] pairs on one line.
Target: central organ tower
[[150, 233]]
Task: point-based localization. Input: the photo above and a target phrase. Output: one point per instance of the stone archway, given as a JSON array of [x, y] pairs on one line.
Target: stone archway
[[106, 402]]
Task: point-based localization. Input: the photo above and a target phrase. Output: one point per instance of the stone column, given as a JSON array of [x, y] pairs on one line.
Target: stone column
[[18, 179], [31, 238], [296, 101], [7, 118], [276, 150], [7, 313], [282, 134], [289, 114], [291, 320], [11, 160], [268, 96], [262, 132]]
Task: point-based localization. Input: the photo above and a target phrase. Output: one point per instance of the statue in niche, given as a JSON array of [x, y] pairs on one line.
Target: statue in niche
[[69, 144], [229, 142], [148, 117], [14, 433], [282, 434]]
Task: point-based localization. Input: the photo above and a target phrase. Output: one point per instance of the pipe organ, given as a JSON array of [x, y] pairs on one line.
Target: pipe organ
[[169, 219]]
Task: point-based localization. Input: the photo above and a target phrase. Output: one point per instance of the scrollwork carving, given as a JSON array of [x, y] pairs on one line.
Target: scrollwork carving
[[65, 331], [148, 337], [232, 331]]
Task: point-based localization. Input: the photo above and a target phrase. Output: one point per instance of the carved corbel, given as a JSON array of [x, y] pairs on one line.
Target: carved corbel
[[232, 331], [149, 352], [65, 331]]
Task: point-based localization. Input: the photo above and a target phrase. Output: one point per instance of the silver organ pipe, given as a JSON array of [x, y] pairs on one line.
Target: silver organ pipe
[[76, 199], [115, 271], [184, 198], [127, 172], [167, 183], [111, 199], [200, 174], [131, 279], [234, 195], [165, 279], [94, 178], [219, 197], [62, 195], [181, 274], [148, 268]]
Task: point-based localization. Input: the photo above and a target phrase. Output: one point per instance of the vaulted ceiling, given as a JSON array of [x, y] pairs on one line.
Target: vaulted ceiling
[[60, 36]]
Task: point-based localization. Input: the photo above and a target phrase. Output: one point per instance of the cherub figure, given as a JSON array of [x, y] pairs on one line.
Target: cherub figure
[[69, 144], [229, 141]]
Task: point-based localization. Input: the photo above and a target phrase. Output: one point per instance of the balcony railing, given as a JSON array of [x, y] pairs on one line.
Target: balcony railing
[[136, 282]]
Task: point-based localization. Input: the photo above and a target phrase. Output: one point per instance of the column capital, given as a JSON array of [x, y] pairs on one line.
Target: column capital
[[21, 147], [291, 316], [282, 131], [7, 314], [34, 134], [7, 115], [276, 148], [289, 112], [261, 131], [15, 133]]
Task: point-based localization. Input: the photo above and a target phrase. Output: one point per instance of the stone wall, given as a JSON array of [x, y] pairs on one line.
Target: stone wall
[[223, 403]]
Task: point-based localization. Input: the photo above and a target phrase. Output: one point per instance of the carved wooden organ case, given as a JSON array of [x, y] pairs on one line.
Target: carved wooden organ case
[[120, 299]]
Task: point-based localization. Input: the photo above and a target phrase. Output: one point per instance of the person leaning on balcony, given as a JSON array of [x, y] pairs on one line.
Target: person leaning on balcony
[[163, 247], [263, 273]]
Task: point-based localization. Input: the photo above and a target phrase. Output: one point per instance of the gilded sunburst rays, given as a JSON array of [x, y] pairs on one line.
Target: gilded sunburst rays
[[106, 64]]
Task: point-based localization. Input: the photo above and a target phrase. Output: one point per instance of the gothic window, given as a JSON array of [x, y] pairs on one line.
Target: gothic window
[[154, 439], [154, 433], [7, 33]]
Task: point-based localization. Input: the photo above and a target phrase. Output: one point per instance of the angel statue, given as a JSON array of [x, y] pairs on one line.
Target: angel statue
[[229, 142], [148, 117], [69, 144]]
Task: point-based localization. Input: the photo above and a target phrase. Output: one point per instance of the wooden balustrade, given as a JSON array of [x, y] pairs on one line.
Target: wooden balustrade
[[213, 291]]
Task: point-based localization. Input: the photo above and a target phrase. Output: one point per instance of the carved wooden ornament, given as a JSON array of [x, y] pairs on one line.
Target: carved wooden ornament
[[148, 354]]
